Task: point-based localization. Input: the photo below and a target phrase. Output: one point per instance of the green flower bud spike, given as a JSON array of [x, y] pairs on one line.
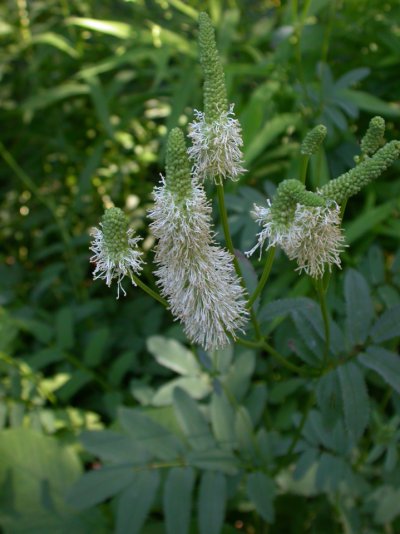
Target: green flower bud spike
[[115, 249], [178, 179], [313, 140], [373, 139], [215, 133], [353, 181], [215, 99]]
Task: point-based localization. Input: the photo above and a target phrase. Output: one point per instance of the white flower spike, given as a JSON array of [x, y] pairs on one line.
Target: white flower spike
[[115, 250], [216, 146], [216, 134], [306, 226], [196, 276]]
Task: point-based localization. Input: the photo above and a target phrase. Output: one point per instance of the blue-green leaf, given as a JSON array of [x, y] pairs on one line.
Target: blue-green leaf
[[173, 355], [261, 491], [385, 363], [359, 308], [97, 486], [387, 326], [354, 398], [113, 446], [222, 420], [153, 437], [211, 503], [213, 460], [192, 421], [177, 500], [135, 502]]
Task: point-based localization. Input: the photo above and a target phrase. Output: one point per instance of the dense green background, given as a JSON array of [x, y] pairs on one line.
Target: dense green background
[[88, 92]]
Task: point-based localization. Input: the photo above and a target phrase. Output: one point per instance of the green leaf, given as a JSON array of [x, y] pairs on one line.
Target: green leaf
[[96, 346], [367, 221], [77, 381], [100, 104], [113, 446], [261, 492], [239, 375], [177, 500], [173, 355], [221, 359], [334, 472], [385, 363], [255, 402], [376, 265], [213, 460], [329, 395], [222, 420], [48, 97], [57, 41], [211, 504], [96, 486], [354, 398], [192, 421], [385, 504], [65, 328], [153, 437], [244, 432], [351, 77], [35, 472], [283, 307], [135, 502], [368, 102], [109, 27], [197, 387], [387, 326], [359, 308], [269, 132]]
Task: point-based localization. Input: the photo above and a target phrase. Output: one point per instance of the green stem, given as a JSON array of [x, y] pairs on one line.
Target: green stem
[[303, 167], [225, 226], [325, 316], [264, 277], [283, 361], [148, 290], [343, 209], [229, 244], [262, 344], [299, 430]]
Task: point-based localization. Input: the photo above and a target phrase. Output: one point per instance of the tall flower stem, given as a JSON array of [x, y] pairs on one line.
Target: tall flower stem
[[319, 284], [229, 244], [264, 277], [148, 290]]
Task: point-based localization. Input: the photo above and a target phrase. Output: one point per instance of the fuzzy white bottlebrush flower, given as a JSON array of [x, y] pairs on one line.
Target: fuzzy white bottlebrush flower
[[311, 235], [195, 275], [216, 146], [115, 250]]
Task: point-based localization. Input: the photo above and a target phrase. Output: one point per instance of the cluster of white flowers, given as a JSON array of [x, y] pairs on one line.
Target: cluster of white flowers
[[313, 237], [116, 254], [216, 146], [195, 275]]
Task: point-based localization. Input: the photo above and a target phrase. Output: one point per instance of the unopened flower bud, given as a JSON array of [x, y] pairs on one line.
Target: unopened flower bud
[[373, 139], [313, 140]]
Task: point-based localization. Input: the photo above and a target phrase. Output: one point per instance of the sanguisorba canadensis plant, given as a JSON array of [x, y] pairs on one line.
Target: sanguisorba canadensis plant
[[225, 443]]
